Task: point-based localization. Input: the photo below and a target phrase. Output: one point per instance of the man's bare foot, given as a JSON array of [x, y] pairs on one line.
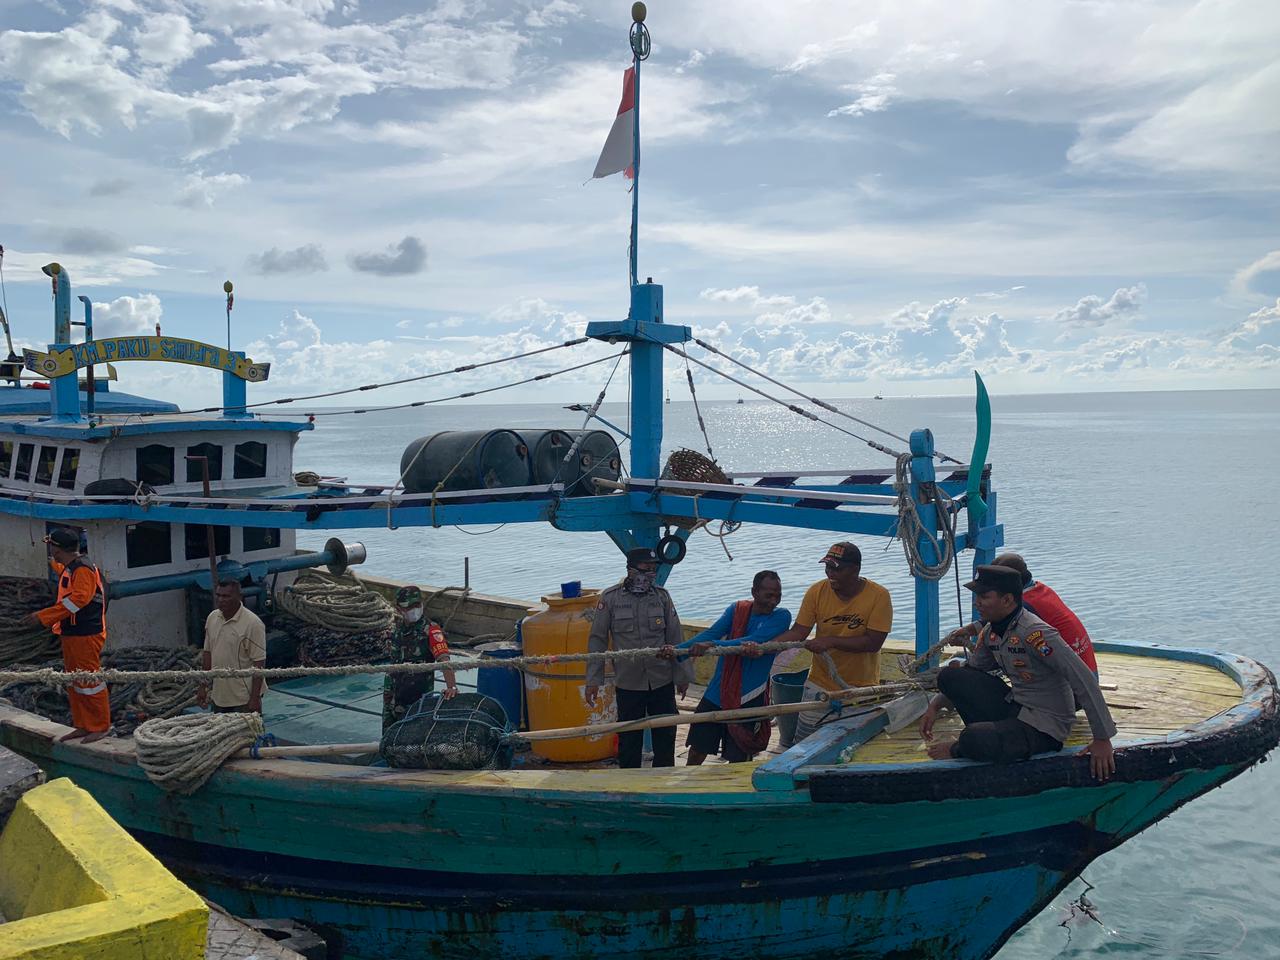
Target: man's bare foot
[[940, 749], [95, 736], [73, 735]]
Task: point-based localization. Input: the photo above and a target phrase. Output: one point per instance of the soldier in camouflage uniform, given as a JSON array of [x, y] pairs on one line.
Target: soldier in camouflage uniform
[[415, 639]]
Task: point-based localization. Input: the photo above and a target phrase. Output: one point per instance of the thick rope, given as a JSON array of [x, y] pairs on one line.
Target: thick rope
[[20, 640], [910, 530], [284, 673], [342, 606], [180, 753]]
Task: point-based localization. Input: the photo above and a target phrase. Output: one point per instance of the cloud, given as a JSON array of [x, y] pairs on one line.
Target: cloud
[[1259, 334], [1242, 282], [90, 240], [401, 259], [748, 295], [1092, 311], [167, 40], [695, 59], [124, 316], [199, 190], [874, 95], [308, 258], [552, 14], [110, 188], [296, 332]]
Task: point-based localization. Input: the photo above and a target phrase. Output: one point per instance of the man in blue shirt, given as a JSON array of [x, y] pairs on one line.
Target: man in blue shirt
[[740, 680]]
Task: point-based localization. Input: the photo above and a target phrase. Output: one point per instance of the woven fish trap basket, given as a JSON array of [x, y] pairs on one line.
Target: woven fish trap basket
[[695, 467]]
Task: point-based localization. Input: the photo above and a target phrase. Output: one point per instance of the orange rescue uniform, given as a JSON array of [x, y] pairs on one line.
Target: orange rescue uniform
[[79, 618]]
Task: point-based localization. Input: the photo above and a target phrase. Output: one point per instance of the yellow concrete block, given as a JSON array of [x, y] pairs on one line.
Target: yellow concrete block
[[74, 885]]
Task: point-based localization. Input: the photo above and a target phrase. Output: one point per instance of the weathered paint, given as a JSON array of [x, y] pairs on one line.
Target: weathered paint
[[73, 885], [414, 863]]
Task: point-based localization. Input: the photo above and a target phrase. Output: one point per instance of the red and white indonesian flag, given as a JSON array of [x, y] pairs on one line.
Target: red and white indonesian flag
[[619, 149]]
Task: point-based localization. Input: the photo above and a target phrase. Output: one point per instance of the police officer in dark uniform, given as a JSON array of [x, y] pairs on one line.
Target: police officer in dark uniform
[[1033, 713], [638, 614]]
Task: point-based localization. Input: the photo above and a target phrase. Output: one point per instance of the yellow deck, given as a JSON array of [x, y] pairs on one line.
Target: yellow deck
[[1152, 697]]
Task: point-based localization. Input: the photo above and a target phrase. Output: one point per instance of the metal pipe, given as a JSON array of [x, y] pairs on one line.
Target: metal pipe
[[91, 385], [336, 556]]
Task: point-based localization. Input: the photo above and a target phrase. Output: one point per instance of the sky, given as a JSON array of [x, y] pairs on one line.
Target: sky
[[854, 197]]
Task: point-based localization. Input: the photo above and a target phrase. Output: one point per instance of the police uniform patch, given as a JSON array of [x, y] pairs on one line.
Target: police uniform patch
[[659, 622], [1026, 675], [600, 604], [1019, 663]]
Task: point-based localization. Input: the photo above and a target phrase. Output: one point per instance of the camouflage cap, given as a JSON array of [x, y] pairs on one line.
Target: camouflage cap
[[408, 597]]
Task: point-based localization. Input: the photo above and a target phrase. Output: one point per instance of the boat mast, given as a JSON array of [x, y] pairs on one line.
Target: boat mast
[[645, 333]]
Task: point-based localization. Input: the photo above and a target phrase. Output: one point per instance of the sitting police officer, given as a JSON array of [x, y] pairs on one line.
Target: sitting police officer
[[1004, 723], [639, 614]]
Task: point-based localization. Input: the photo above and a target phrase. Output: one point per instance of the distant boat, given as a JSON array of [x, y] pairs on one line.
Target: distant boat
[[877, 397], [668, 396], [740, 400]]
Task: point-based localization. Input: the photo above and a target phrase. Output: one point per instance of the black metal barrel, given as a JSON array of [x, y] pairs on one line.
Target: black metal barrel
[[597, 456], [465, 460]]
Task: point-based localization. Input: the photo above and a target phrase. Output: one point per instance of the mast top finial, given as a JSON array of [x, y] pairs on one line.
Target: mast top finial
[[226, 287], [638, 12]]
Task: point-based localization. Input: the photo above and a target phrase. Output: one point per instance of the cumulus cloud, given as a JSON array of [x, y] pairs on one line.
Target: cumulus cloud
[[167, 40], [200, 190], [552, 14], [751, 296], [1092, 311], [125, 316], [308, 258], [407, 257], [1259, 334]]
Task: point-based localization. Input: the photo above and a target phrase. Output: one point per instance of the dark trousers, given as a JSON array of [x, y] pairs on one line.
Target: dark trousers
[[636, 705], [992, 730]]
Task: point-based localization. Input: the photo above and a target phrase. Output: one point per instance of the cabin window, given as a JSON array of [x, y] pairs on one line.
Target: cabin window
[[195, 469], [261, 538], [70, 466], [197, 541], [22, 469], [155, 464], [44, 465], [6, 457], [251, 460], [147, 544]]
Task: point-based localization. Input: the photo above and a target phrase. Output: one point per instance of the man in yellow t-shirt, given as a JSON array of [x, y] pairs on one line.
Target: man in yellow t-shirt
[[853, 616]]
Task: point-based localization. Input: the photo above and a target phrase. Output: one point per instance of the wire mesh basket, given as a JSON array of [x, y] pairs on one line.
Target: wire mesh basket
[[468, 732], [695, 467]]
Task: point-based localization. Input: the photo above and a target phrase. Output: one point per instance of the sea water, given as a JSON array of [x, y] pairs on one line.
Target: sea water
[[1155, 515]]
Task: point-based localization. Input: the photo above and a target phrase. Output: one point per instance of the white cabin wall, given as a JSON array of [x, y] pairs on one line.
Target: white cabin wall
[[19, 556], [153, 620]]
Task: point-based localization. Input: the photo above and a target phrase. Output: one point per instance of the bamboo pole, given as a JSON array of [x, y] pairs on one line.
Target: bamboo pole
[[560, 733]]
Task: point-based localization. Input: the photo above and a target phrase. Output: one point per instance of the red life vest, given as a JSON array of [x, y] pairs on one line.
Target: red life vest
[[751, 738]]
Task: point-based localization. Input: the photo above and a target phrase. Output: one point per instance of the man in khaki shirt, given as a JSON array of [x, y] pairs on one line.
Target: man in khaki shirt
[[234, 637]]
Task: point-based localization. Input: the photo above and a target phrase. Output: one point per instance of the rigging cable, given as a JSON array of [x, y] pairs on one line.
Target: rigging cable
[[456, 396], [821, 403], [389, 383], [790, 406]]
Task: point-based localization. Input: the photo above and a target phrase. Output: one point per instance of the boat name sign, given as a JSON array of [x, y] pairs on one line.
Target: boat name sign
[[57, 363]]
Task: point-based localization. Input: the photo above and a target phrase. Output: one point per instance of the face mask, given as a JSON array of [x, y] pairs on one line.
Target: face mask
[[413, 616], [640, 582]]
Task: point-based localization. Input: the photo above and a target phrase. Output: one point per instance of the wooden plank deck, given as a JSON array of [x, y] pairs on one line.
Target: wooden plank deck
[[1149, 697]]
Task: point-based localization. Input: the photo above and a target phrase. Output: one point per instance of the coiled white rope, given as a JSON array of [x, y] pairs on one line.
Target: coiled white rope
[[910, 530], [179, 754]]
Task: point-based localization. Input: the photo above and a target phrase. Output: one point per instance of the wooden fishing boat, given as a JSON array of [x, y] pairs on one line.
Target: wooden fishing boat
[[890, 854], [850, 844]]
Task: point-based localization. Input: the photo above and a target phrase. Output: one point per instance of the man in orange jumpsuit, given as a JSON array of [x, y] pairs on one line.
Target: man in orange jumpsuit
[[79, 618]]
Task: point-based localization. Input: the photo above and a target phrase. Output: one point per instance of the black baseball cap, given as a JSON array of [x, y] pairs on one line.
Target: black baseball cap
[[63, 538], [999, 579], [843, 552], [641, 555]]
